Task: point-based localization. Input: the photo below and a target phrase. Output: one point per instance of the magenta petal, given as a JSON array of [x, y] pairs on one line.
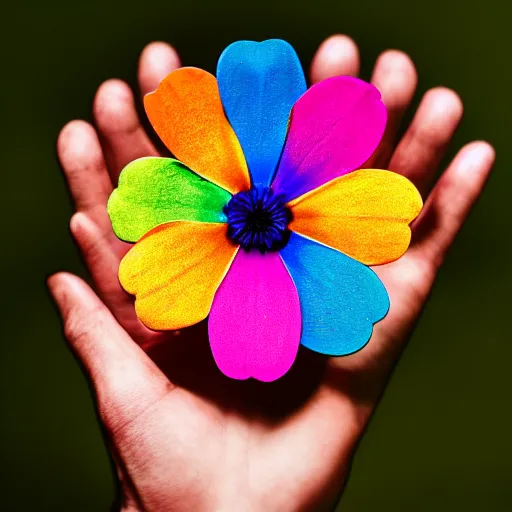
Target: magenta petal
[[334, 128], [255, 320]]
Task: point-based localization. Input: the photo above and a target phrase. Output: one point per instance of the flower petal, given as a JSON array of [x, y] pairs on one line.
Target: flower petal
[[334, 128], [340, 298], [255, 321], [153, 191], [259, 83], [187, 114], [174, 272], [365, 214]]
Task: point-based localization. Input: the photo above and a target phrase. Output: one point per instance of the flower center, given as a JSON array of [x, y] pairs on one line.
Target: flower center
[[258, 219]]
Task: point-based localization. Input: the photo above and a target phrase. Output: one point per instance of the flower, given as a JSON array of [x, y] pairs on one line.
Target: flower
[[266, 223]]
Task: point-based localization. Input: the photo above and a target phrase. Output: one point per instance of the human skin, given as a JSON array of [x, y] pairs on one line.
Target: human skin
[[182, 435]]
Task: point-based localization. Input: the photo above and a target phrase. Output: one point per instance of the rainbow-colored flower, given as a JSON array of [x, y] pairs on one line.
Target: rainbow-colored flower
[[264, 224]]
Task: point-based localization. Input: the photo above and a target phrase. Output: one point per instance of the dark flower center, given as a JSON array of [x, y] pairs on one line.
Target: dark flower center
[[258, 219]]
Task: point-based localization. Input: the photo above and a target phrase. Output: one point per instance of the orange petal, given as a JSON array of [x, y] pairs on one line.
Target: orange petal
[[186, 112], [364, 214], [174, 272]]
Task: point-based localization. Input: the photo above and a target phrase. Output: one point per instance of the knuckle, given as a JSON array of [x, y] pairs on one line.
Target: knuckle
[[79, 326]]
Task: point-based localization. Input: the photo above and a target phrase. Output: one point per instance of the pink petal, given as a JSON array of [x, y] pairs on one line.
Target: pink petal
[[334, 128], [255, 320]]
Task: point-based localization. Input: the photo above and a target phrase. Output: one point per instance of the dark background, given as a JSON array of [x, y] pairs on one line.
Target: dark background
[[440, 439]]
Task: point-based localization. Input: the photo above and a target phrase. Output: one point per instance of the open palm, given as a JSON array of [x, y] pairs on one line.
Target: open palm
[[184, 436]]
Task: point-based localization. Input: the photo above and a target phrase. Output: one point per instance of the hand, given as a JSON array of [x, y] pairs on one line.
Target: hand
[[183, 436]]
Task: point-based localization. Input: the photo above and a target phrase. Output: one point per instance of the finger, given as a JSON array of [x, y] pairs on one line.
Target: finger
[[126, 381], [102, 252], [82, 160], [396, 78], [157, 60], [424, 144], [337, 55], [122, 136], [84, 167], [451, 201]]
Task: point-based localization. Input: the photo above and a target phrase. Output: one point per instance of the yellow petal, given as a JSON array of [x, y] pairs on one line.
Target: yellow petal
[[364, 214], [174, 272], [187, 113]]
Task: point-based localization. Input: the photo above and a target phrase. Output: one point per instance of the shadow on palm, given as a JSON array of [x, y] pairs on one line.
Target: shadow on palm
[[186, 359]]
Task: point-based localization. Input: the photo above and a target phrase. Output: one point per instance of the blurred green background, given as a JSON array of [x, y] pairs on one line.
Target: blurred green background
[[440, 439]]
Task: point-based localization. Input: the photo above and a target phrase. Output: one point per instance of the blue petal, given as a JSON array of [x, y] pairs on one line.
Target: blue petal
[[259, 84], [340, 298]]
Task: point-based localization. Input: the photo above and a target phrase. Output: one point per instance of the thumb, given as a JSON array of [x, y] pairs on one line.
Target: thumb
[[125, 380]]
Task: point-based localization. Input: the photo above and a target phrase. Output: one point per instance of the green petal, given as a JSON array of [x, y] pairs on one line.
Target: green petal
[[152, 191]]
